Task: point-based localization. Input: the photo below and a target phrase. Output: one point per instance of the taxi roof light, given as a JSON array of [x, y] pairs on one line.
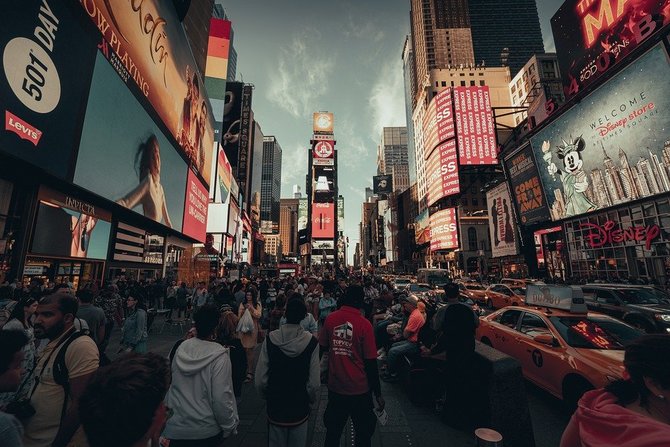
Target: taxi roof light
[[567, 298]]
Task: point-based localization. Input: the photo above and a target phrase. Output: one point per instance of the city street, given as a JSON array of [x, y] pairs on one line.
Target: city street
[[408, 425]]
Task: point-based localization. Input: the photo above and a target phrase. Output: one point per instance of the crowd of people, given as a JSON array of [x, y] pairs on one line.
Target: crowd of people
[[59, 388]]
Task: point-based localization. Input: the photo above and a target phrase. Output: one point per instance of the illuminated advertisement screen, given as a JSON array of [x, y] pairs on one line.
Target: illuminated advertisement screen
[[444, 230], [195, 208], [442, 172], [47, 59], [610, 148], [224, 178], [422, 228], [323, 220], [382, 184], [526, 186], [475, 129], [124, 156], [438, 122], [69, 227], [340, 214], [146, 43], [592, 36], [302, 214], [230, 140], [501, 221]]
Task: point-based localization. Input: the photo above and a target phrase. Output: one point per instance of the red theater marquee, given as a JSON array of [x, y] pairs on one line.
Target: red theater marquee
[[442, 172], [475, 128], [444, 230]]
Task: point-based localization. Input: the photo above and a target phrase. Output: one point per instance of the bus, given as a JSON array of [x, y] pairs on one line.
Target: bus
[[434, 277]]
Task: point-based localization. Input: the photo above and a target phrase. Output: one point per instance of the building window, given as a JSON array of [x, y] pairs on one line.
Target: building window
[[444, 83], [472, 239], [452, 83], [462, 83], [482, 83]]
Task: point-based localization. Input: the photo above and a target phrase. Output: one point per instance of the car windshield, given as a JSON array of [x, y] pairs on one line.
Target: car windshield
[[518, 290], [594, 332], [474, 287], [401, 282], [639, 296], [419, 288]]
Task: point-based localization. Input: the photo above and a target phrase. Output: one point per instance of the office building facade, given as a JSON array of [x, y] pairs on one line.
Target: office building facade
[[270, 185]]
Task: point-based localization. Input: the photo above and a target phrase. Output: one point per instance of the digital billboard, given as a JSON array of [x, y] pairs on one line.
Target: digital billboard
[[323, 220], [527, 191], [242, 168], [444, 230], [612, 147], [146, 43], [501, 221], [323, 153], [46, 70], [302, 214], [195, 208], [323, 122], [124, 156], [382, 184], [592, 36], [475, 128], [232, 110], [422, 228], [442, 178], [340, 214], [224, 179], [69, 227], [438, 122]]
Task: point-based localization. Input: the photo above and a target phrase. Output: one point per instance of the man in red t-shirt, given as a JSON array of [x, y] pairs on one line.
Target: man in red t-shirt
[[410, 345], [352, 371]]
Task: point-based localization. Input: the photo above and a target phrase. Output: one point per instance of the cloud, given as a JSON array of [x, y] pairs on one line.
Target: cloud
[[294, 165], [301, 76], [387, 98], [367, 31], [549, 45]]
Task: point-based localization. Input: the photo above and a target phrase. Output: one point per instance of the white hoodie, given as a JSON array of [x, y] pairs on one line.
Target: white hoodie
[[292, 339], [201, 393]]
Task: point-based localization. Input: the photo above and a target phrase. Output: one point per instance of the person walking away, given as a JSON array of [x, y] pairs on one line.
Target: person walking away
[[308, 323], [12, 344], [56, 395], [287, 377], [134, 332], [171, 299], [352, 371], [93, 315], [21, 320], [123, 406], [250, 339], [201, 394], [277, 313], [182, 300], [112, 305], [634, 411], [227, 337], [199, 296]]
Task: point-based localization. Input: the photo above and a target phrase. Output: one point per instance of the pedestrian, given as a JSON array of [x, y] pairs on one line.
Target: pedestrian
[[277, 313], [287, 377], [200, 296], [171, 298], [409, 346], [111, 304], [352, 371], [93, 315], [227, 337], [308, 323], [63, 370], [327, 304], [201, 394], [250, 339], [12, 345], [123, 406], [134, 332], [182, 300]]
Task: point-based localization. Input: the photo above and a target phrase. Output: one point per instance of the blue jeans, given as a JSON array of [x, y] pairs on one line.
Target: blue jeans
[[399, 349]]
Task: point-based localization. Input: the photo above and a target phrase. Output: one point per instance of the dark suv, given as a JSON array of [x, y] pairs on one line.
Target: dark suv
[[643, 307]]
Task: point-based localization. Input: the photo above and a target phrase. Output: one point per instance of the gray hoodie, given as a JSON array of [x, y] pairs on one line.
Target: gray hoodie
[[292, 339], [201, 393]]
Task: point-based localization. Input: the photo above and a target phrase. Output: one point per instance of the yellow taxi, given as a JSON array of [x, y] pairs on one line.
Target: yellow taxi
[[562, 347]]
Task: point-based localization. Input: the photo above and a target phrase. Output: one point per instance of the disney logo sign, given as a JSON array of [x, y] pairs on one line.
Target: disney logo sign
[[609, 233]]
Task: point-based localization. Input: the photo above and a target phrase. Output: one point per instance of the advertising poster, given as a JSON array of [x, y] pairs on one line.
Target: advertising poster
[[323, 220], [69, 227], [224, 178], [244, 155], [526, 187], [232, 110], [46, 71], [195, 208], [340, 214], [475, 128], [146, 43], [422, 228], [438, 122], [123, 155], [382, 184], [323, 122], [444, 230], [592, 36], [323, 153], [302, 214], [442, 172], [501, 221], [611, 148]]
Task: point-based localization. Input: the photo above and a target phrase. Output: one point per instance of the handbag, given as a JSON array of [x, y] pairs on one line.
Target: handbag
[[246, 323]]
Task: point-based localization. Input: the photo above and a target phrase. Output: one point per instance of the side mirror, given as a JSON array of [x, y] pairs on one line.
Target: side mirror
[[545, 339]]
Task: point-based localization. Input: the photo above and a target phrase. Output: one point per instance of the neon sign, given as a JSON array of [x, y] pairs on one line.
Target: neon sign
[[610, 234]]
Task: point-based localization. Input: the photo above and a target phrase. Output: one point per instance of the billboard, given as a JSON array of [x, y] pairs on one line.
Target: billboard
[[524, 179], [438, 122], [444, 230], [475, 129], [442, 172], [422, 228], [501, 221], [146, 43], [224, 179], [43, 83], [323, 122], [302, 214], [382, 184], [195, 208], [323, 220], [232, 110], [592, 36], [244, 155], [323, 153], [125, 157], [69, 227], [612, 147], [340, 214]]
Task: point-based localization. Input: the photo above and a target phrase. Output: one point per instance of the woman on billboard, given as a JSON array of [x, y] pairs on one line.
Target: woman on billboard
[[149, 193]]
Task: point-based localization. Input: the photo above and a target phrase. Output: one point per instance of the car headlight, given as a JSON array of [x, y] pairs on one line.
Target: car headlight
[[662, 317]]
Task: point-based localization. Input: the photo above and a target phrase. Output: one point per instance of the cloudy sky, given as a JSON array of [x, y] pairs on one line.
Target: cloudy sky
[[345, 57]]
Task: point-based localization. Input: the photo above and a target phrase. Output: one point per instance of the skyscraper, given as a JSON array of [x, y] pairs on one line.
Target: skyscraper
[[392, 153], [270, 185], [288, 226], [505, 32], [408, 68]]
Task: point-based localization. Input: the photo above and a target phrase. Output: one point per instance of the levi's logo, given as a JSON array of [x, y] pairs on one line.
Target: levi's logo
[[24, 130]]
